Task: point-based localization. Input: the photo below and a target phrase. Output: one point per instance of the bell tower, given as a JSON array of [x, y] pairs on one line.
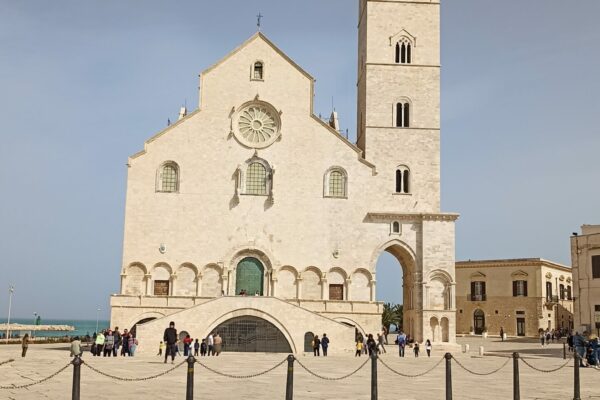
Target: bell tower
[[398, 114]]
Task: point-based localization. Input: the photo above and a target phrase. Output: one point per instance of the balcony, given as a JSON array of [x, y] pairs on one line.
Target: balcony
[[551, 301], [476, 297]]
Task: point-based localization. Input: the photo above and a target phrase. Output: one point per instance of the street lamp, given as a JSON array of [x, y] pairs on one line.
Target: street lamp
[[34, 322], [97, 317], [11, 289]]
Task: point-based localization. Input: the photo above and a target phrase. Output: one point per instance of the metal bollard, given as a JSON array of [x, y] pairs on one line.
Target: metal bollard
[[189, 392], [448, 358], [76, 392], [564, 351], [289, 387], [576, 390], [374, 376], [516, 384]]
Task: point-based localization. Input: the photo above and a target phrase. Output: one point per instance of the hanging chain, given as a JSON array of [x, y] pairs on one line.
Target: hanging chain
[[327, 378], [120, 378], [38, 381], [546, 371], [7, 361], [481, 373], [409, 375], [241, 376]]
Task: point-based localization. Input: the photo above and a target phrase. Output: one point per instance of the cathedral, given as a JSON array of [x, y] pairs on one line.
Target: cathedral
[[256, 219]]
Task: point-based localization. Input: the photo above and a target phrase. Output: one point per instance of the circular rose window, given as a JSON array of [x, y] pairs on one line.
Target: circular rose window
[[257, 125]]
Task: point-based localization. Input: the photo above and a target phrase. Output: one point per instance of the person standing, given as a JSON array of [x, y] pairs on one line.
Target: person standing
[[170, 338], [109, 343], [203, 348], [371, 345], [25, 344], [125, 344], [416, 349], [579, 344], [99, 344], [316, 346], [196, 347], [359, 345], [325, 344], [542, 337], [76, 347], [133, 344], [161, 347], [401, 339], [211, 344], [186, 345], [502, 333], [118, 341], [381, 340], [428, 347], [218, 344]]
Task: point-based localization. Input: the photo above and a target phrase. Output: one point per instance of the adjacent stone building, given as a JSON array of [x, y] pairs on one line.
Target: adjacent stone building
[[253, 217], [520, 295], [585, 257]]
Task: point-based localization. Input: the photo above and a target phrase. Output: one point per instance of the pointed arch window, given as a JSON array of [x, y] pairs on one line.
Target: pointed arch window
[[402, 179], [403, 115], [404, 49], [258, 71], [168, 178], [336, 182]]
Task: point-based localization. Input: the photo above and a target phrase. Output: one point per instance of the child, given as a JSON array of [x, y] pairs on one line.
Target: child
[[203, 348], [428, 347], [161, 347], [359, 347], [196, 347], [416, 349]]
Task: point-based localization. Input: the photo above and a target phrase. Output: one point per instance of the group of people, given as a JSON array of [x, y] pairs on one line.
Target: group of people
[[318, 344], [108, 342], [368, 344], [587, 347], [212, 345], [552, 336]]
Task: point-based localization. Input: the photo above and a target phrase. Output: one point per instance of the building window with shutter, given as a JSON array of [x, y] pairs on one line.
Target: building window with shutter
[[595, 267], [519, 288], [478, 291]]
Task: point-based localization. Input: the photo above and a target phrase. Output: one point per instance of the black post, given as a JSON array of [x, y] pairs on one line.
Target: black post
[[76, 377], [289, 387], [516, 384], [189, 392], [576, 392], [564, 351], [448, 358], [374, 375]]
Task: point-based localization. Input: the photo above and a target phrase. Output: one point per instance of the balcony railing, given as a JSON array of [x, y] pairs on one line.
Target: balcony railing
[[476, 297], [551, 300]]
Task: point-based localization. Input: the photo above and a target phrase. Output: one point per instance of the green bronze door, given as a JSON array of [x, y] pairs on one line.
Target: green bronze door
[[249, 277]]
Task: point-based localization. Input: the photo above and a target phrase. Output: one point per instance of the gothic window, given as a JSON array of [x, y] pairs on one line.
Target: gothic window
[[256, 179], [258, 71], [336, 183], [402, 180], [404, 51], [403, 115], [168, 179]]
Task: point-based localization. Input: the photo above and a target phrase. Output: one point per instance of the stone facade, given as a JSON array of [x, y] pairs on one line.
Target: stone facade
[[543, 301], [252, 190], [585, 258]]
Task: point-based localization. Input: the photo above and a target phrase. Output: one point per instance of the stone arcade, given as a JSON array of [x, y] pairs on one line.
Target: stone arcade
[[253, 193]]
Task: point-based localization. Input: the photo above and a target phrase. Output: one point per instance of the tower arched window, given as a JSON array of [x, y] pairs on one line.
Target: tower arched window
[[258, 71], [404, 50], [168, 178], [336, 183], [402, 180], [256, 179], [403, 114], [395, 227]]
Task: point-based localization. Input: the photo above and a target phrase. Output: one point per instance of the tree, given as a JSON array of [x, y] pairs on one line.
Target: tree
[[392, 315]]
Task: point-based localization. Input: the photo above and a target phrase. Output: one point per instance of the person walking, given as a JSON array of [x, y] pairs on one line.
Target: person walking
[[502, 334], [196, 347], [416, 349], [170, 338], [428, 347], [76, 347], [542, 337], [25, 344], [381, 342], [401, 339], [325, 344], [218, 344], [161, 347], [99, 344], [316, 345]]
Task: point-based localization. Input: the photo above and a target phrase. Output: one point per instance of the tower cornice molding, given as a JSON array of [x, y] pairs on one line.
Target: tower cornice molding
[[413, 217]]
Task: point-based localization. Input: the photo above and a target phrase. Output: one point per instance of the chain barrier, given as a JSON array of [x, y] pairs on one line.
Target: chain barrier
[[120, 378], [327, 378], [7, 361], [409, 375], [25, 386], [481, 373], [214, 371], [546, 371]]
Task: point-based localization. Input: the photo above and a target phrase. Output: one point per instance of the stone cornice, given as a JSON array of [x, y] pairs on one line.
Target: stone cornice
[[382, 216], [517, 262]]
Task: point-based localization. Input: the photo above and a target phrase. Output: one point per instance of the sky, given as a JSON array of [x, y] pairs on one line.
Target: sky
[[84, 83]]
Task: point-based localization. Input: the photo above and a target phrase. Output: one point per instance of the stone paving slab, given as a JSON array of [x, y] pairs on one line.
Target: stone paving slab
[[43, 360]]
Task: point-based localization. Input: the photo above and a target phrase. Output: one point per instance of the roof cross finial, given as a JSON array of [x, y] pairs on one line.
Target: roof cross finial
[[259, 18]]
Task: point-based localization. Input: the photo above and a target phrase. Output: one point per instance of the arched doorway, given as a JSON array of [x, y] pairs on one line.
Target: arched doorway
[[133, 329], [478, 321], [252, 334], [249, 277], [308, 338]]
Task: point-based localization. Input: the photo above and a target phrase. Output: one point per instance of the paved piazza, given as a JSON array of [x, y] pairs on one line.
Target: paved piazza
[[42, 360]]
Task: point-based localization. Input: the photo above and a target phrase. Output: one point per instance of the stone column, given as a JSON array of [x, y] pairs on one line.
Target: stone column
[[324, 288], [347, 295], [299, 287], [224, 283], [148, 281], [274, 290], [172, 285], [373, 283], [199, 285], [452, 301]]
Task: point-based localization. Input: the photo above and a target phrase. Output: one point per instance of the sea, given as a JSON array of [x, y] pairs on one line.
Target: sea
[[82, 327]]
